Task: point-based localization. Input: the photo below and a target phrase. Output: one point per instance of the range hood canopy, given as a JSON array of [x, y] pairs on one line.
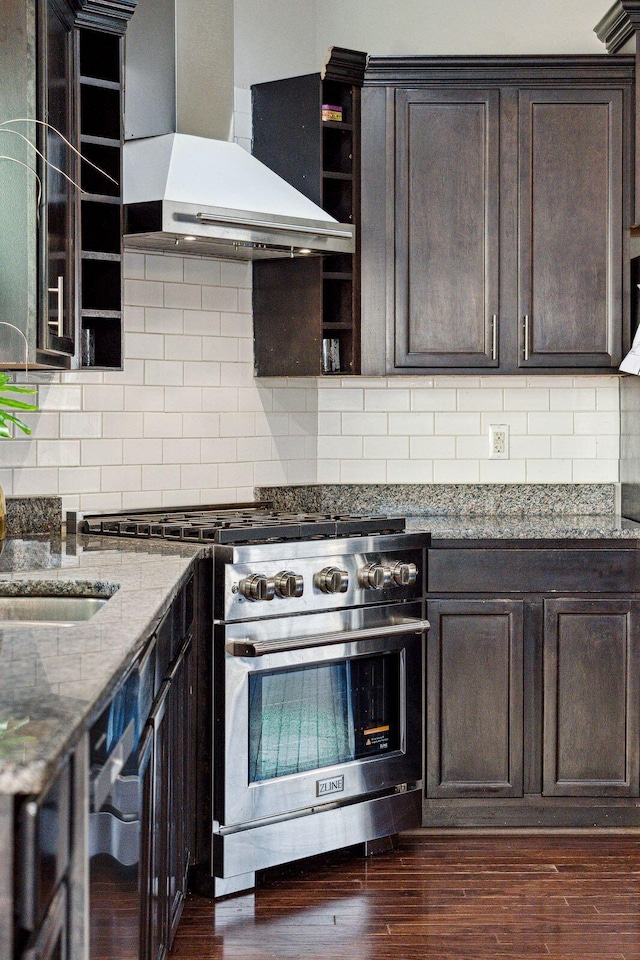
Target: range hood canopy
[[186, 186], [211, 197]]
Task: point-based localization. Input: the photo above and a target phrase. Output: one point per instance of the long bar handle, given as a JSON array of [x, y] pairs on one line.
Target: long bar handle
[[258, 648], [59, 323], [275, 225], [494, 336], [526, 336]]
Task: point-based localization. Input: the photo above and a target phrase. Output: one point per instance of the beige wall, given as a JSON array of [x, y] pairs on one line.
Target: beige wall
[[278, 38]]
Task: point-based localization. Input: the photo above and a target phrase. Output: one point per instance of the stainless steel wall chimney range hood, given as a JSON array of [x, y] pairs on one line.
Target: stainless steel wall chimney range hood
[[186, 187]]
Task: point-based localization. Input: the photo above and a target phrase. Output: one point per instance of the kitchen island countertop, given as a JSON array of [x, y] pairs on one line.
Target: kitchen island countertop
[[53, 678]]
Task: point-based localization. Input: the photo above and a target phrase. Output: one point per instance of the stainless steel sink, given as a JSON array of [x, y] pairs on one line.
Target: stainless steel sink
[[58, 610]]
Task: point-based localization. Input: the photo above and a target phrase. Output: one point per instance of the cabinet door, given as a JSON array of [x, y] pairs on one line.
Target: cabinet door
[[571, 220], [474, 714], [447, 228], [57, 235], [591, 698]]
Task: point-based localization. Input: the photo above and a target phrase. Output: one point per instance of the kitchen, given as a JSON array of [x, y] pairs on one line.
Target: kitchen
[[185, 421]]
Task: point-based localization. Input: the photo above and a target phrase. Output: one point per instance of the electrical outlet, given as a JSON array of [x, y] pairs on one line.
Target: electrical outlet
[[499, 441]]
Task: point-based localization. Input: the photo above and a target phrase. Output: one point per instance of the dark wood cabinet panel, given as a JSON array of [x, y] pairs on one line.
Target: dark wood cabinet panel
[[447, 227], [496, 208], [591, 698], [570, 196], [474, 715]]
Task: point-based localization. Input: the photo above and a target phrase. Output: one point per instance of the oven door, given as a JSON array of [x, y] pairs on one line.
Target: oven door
[[317, 710]]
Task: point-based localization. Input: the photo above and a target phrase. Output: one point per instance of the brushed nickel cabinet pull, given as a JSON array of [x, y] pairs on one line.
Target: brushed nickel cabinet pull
[[59, 323], [494, 336], [526, 336]]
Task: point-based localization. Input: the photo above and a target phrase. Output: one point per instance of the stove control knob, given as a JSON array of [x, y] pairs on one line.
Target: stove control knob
[[258, 587], [403, 574], [289, 584], [375, 576], [332, 580]]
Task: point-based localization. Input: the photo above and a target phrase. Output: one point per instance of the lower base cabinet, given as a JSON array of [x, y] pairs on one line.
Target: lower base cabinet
[[591, 698], [533, 699], [474, 698]]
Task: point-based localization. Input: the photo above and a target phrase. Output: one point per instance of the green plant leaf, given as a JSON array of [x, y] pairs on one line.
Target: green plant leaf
[[17, 404], [16, 388], [7, 418]]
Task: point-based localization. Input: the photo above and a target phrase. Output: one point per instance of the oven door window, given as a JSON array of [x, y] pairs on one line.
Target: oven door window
[[320, 715]]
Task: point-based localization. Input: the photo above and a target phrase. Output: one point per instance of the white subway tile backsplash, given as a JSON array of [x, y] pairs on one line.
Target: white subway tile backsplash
[[80, 480], [410, 471], [157, 476], [103, 397], [163, 373], [125, 477], [164, 320], [143, 293], [122, 425], [182, 347], [457, 423], [549, 471], [186, 450], [186, 420], [532, 399], [503, 471], [159, 267], [606, 422], [572, 399], [433, 448], [185, 296], [456, 471], [234, 274], [389, 399], [411, 424], [97, 453], [142, 451], [144, 398], [220, 298], [156, 425], [202, 271], [551, 423], [182, 399]]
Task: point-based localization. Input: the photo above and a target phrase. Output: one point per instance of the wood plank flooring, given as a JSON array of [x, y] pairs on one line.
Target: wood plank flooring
[[565, 896]]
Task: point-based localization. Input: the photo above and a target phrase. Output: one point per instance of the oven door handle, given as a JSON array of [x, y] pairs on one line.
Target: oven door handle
[[260, 648]]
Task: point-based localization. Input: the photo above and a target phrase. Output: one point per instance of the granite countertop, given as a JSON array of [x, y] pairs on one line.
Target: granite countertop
[[53, 677], [534, 527]]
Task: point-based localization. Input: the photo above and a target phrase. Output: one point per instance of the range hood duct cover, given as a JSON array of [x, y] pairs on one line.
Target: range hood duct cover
[[211, 197]]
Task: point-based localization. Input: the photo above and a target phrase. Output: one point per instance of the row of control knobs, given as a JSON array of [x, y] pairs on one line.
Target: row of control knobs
[[286, 584]]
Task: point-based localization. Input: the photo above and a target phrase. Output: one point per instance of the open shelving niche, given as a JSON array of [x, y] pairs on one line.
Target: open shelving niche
[[299, 303]]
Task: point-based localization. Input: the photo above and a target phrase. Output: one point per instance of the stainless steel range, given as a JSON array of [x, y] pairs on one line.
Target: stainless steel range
[[318, 637]]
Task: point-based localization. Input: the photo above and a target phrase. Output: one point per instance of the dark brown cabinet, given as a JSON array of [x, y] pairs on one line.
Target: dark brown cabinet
[[299, 303], [509, 190], [474, 698], [169, 785], [60, 253], [591, 698], [532, 684]]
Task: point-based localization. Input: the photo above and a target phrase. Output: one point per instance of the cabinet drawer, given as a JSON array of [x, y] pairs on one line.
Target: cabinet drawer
[[498, 570]]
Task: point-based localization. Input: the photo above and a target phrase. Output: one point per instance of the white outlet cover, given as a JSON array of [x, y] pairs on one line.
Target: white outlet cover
[[499, 441]]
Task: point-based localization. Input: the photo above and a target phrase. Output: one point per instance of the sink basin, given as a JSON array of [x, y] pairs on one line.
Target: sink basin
[[40, 610]]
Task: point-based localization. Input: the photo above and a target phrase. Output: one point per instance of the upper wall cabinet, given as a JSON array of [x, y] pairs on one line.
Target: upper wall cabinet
[[495, 221], [60, 247]]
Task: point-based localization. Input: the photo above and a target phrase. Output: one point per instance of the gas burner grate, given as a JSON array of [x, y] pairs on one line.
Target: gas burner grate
[[237, 526]]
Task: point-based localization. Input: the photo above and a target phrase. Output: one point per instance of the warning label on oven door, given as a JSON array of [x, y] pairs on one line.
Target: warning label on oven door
[[376, 738]]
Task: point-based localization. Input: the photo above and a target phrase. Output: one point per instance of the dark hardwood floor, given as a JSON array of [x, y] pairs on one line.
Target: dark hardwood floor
[[439, 896]]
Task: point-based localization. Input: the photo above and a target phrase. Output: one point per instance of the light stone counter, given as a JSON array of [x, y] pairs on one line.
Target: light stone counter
[[52, 678]]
